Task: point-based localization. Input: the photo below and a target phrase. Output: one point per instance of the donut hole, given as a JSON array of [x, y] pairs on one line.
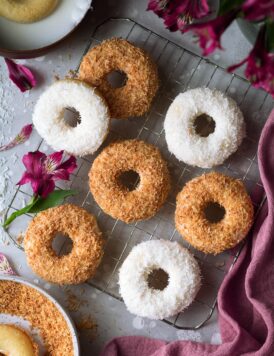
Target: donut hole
[[129, 180], [158, 279], [204, 125], [116, 79], [214, 212], [72, 117], [62, 244]]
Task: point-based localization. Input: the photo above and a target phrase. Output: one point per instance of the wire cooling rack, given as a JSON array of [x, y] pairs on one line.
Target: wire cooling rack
[[179, 70]]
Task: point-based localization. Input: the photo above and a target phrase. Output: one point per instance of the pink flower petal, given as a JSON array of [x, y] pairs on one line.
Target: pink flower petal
[[46, 188], [36, 185], [33, 161], [26, 178], [69, 165], [61, 174], [21, 76], [257, 10], [178, 13], [181, 13], [210, 32], [158, 6], [5, 267], [64, 170], [23, 136], [42, 187], [27, 130], [259, 65], [52, 161], [235, 66]]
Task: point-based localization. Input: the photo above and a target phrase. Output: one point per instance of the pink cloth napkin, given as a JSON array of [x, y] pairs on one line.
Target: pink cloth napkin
[[246, 297]]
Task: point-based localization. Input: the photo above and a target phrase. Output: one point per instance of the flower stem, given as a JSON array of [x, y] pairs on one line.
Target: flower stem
[[20, 212]]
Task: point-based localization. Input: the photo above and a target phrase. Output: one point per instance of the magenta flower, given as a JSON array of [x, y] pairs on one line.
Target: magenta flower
[[178, 13], [158, 6], [23, 136], [21, 76], [42, 171], [260, 65], [181, 13], [257, 10], [210, 33]]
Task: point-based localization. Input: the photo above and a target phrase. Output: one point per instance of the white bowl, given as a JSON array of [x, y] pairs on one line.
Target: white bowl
[[24, 324]]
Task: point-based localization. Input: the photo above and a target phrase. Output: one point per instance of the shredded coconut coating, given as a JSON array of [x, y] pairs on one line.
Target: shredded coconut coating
[[190, 147], [116, 199], [29, 304], [48, 117], [183, 283], [135, 97], [190, 216], [81, 227]]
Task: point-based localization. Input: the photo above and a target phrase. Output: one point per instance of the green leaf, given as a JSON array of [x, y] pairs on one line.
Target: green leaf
[[20, 212], [270, 35], [53, 199], [228, 5]]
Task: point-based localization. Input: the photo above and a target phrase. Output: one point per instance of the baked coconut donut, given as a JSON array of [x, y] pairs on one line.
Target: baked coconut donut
[[203, 127], [116, 54], [184, 279], [48, 117], [195, 217], [114, 197], [16, 342], [81, 227]]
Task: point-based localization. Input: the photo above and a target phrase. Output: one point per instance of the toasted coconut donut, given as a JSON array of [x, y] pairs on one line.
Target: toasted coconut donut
[[198, 149], [48, 117], [81, 227], [213, 190], [26, 11], [183, 279], [16, 342], [116, 199], [132, 99]]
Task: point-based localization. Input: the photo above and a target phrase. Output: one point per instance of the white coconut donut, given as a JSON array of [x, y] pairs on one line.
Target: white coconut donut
[[183, 283], [190, 147], [48, 117]]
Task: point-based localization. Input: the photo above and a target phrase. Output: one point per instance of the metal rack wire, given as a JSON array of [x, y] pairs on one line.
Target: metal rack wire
[[179, 70]]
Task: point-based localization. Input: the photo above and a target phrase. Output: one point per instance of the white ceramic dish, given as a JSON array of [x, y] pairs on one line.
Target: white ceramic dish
[[28, 40], [4, 318]]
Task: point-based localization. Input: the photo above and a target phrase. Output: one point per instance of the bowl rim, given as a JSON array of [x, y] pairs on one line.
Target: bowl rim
[[32, 53], [67, 317]]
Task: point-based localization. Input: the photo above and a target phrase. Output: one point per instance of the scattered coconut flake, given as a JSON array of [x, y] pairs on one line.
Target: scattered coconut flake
[[73, 303], [219, 264], [86, 323]]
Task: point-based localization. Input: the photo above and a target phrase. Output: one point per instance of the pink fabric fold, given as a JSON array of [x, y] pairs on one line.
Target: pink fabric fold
[[246, 297]]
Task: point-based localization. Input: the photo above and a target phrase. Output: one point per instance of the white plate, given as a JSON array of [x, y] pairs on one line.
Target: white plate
[[43, 33], [9, 319]]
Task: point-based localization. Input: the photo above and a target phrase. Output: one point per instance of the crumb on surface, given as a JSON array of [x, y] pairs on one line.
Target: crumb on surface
[[73, 303]]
